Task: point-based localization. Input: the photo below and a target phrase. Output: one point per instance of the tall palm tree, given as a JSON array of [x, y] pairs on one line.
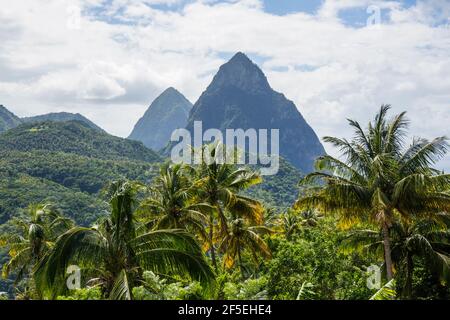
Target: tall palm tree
[[219, 184], [37, 231], [173, 204], [379, 179], [242, 237], [428, 238], [115, 253]]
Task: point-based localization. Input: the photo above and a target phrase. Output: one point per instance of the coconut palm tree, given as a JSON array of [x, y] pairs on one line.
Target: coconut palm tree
[[37, 231], [115, 253], [242, 237], [291, 223], [309, 218], [379, 180], [219, 184], [173, 204], [427, 238]]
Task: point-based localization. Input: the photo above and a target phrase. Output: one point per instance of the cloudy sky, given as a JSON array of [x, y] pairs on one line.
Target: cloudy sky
[[108, 59]]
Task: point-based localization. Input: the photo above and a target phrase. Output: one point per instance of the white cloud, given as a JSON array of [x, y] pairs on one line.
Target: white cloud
[[122, 55]]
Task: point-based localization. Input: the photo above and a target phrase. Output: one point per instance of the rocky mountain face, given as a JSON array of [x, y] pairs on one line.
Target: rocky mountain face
[[168, 112], [240, 97]]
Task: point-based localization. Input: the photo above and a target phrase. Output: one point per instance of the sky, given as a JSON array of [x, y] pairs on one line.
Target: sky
[[336, 59]]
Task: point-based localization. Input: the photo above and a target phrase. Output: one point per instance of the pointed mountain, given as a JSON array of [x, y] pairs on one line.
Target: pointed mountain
[[8, 120], [62, 117], [240, 97], [167, 112]]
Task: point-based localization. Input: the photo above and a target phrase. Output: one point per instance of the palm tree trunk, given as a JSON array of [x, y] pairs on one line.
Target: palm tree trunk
[[211, 242], [387, 251], [222, 220], [240, 261], [409, 275]]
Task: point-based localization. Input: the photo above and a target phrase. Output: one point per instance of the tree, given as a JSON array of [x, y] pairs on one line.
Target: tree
[[427, 238], [309, 218], [115, 253], [219, 185], [173, 204], [240, 238], [379, 179], [37, 231], [291, 223]]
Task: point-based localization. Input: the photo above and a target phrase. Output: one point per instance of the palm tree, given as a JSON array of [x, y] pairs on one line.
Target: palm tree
[[428, 238], [36, 234], [172, 202], [219, 185], [115, 253], [291, 223], [242, 237], [379, 180], [309, 218]]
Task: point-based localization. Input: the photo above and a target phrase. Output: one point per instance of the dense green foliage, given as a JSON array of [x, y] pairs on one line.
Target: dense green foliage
[[278, 191], [392, 187], [219, 231], [66, 163], [74, 137], [313, 255], [18, 191]]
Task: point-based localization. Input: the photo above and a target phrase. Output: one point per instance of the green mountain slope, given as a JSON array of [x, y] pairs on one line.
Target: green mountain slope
[[278, 191], [17, 191], [62, 117], [74, 137], [67, 162]]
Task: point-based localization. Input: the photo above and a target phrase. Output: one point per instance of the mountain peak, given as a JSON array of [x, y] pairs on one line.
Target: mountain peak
[[240, 97], [241, 57], [170, 91], [169, 111], [242, 73]]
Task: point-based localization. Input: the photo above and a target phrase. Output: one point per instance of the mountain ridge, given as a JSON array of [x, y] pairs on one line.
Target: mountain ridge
[[74, 137], [61, 117]]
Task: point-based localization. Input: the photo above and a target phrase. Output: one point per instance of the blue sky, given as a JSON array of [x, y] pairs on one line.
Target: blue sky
[[282, 7], [109, 59], [352, 16]]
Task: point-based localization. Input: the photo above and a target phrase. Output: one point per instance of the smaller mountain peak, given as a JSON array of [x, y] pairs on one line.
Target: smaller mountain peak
[[170, 96], [171, 90]]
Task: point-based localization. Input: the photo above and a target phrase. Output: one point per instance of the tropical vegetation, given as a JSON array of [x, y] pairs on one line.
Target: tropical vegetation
[[207, 232]]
